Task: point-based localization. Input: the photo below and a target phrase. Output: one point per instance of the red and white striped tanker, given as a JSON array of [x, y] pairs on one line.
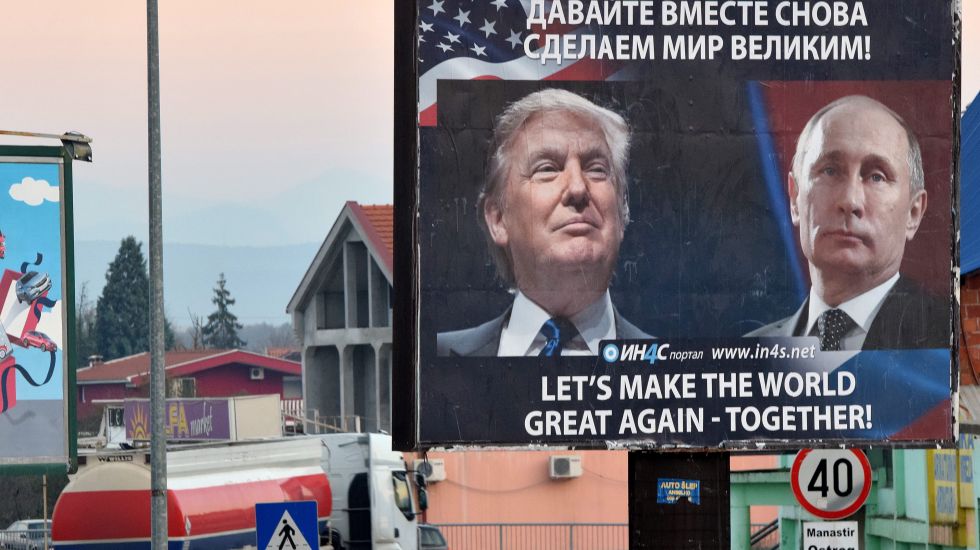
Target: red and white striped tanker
[[212, 492]]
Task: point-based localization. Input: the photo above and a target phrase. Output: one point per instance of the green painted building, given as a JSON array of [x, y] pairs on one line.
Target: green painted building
[[919, 499]]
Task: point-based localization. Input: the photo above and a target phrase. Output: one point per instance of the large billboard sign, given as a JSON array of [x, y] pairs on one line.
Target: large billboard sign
[[36, 395], [672, 223]]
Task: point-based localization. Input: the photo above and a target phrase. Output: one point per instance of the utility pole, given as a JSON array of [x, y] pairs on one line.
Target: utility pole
[[158, 438]]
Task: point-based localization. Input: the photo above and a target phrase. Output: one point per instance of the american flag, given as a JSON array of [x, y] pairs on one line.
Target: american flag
[[484, 39]]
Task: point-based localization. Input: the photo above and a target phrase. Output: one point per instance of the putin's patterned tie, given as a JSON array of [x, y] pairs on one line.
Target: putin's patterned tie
[[832, 325]]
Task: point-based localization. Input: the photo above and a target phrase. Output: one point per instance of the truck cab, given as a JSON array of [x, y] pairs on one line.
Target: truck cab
[[373, 506]]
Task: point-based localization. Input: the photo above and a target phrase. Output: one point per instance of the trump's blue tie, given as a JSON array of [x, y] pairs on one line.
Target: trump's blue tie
[[557, 332]]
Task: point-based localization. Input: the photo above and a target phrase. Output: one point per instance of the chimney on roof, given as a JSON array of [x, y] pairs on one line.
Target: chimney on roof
[[94, 360]]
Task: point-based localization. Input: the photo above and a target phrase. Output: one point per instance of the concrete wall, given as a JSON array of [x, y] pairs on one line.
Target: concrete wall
[[346, 339]]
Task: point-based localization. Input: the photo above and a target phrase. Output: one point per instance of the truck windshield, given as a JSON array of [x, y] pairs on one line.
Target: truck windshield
[[403, 494]]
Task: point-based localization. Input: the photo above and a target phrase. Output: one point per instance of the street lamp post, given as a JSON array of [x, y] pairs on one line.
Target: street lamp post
[[158, 441]]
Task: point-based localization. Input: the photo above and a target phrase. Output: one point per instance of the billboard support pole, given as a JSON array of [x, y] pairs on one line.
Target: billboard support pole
[[404, 422], [44, 504], [158, 441], [682, 524]]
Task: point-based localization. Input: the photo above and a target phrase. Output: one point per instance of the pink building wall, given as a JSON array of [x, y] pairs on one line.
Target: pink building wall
[[515, 487]]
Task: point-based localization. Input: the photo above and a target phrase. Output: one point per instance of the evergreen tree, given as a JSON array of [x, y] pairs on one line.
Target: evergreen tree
[[222, 328], [84, 329], [123, 310], [170, 342], [169, 335], [121, 324]]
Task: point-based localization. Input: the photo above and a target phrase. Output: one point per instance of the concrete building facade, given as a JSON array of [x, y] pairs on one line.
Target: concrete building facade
[[341, 313]]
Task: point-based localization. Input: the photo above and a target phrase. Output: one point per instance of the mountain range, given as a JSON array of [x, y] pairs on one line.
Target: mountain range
[[261, 279]]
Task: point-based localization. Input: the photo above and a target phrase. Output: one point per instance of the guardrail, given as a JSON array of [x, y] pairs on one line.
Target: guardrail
[[536, 536], [765, 536], [31, 539], [292, 407]]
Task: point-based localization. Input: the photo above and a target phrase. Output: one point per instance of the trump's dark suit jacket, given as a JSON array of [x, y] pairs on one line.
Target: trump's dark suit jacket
[[909, 318], [483, 340]]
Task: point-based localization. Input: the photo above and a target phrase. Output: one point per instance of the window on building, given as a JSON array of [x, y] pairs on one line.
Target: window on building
[[391, 301], [114, 416], [380, 297], [329, 302], [356, 266], [292, 387], [182, 387], [882, 459]]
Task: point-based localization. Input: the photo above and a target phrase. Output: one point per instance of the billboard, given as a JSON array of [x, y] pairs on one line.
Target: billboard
[[203, 419], [186, 419], [679, 224], [36, 385]]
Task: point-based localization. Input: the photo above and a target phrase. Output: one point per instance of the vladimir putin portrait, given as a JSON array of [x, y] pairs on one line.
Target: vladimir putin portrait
[[553, 209], [857, 195]]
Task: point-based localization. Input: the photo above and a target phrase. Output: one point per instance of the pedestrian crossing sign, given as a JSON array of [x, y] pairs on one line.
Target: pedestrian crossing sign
[[286, 526]]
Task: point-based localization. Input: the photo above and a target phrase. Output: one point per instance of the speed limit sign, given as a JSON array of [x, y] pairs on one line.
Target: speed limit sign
[[831, 483]]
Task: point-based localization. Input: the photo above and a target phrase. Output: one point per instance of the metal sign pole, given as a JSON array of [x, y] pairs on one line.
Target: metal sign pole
[[158, 441], [44, 499]]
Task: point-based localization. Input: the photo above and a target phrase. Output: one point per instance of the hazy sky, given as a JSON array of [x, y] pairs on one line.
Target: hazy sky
[[971, 50], [273, 113]]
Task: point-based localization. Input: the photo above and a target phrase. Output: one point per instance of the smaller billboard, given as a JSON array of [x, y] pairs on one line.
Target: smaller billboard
[[202, 419], [952, 513], [186, 419], [36, 304]]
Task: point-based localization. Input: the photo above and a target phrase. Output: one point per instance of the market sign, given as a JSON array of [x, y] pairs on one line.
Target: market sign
[[650, 224], [186, 419]]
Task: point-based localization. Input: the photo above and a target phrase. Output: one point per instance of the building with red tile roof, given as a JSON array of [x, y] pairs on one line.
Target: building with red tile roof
[[192, 373], [377, 222], [341, 312]]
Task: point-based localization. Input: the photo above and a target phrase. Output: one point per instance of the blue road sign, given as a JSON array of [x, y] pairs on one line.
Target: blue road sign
[[286, 525]]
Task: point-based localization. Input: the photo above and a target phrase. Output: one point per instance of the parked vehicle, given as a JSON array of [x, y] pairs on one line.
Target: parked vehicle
[[373, 506], [36, 339], [430, 538], [5, 348], [26, 534], [31, 285], [361, 487]]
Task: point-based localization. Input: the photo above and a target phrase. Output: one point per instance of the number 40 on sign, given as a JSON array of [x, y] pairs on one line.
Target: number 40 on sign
[[831, 483]]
